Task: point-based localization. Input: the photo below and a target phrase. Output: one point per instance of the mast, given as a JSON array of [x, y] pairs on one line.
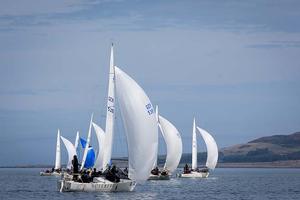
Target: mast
[[87, 144], [109, 125], [57, 154], [194, 147]]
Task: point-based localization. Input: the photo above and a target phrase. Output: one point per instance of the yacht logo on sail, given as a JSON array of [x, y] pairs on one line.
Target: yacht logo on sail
[[149, 109]]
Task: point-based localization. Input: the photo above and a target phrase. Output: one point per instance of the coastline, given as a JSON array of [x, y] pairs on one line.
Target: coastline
[[275, 164]]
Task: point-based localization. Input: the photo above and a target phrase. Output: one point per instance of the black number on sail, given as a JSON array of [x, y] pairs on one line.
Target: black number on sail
[[149, 109], [110, 99], [110, 109]]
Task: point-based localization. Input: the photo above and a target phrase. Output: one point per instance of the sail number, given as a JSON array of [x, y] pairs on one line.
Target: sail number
[[110, 109], [110, 99], [149, 109]]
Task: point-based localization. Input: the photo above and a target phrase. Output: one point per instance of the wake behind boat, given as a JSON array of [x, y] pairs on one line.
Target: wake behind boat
[[212, 156]]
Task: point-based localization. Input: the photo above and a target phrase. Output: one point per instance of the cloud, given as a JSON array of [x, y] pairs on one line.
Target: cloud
[[35, 7], [276, 44], [236, 16]]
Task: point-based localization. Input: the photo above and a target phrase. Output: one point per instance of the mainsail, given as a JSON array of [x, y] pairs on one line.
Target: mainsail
[[173, 142], [212, 148], [57, 154], [71, 151], [140, 125], [194, 147], [110, 112], [101, 145]]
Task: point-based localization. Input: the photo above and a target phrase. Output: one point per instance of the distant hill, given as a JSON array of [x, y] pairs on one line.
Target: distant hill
[[264, 149]]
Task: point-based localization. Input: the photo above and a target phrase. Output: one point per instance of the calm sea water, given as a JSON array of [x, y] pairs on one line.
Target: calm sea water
[[222, 184]]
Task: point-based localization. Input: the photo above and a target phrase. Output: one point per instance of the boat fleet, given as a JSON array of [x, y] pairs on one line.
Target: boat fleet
[[142, 124]]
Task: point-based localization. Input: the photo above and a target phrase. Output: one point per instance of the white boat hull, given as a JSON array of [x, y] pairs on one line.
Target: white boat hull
[[194, 174], [159, 177], [98, 185], [50, 174]]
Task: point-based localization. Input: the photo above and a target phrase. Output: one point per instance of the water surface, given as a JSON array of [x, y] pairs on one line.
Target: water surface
[[221, 184]]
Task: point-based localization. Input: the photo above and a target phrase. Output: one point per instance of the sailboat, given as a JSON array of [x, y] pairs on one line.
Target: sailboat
[[71, 151], [140, 129], [57, 168], [212, 155], [173, 142]]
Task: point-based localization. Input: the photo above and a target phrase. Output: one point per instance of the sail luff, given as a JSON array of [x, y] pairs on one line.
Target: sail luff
[[211, 147], [57, 154], [87, 144], [109, 125], [194, 147]]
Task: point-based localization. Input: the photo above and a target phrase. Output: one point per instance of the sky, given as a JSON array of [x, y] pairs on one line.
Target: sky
[[233, 65]]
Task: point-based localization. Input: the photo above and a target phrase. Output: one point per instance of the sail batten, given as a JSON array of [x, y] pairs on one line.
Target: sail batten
[[140, 125], [212, 148]]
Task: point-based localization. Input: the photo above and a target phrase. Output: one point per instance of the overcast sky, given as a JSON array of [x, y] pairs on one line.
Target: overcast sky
[[234, 65]]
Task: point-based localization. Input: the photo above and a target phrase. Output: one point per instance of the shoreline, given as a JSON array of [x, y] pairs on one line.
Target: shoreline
[[275, 164]]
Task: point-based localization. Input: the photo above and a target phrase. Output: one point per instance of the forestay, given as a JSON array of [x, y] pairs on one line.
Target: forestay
[[212, 148], [140, 125]]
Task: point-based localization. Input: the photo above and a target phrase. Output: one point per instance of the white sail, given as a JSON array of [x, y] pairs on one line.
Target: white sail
[[140, 125], [173, 142], [76, 140], [109, 126], [194, 147], [101, 145], [212, 148], [57, 154], [87, 144], [156, 117], [71, 151]]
